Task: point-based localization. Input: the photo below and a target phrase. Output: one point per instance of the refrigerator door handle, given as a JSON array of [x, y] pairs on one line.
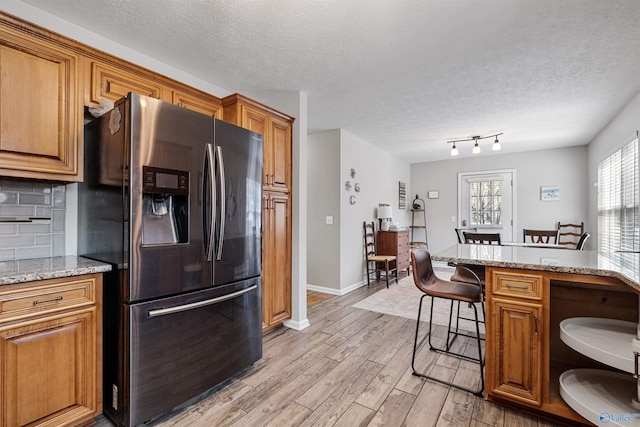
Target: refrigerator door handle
[[192, 306], [223, 205], [208, 232]]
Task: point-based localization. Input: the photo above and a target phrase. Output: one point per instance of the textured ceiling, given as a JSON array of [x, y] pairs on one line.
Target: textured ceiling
[[407, 75]]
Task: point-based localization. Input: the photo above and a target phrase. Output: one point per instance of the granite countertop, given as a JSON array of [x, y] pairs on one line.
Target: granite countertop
[[623, 266], [27, 270]]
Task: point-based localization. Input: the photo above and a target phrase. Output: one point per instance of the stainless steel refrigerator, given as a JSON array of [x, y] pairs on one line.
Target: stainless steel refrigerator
[[172, 199]]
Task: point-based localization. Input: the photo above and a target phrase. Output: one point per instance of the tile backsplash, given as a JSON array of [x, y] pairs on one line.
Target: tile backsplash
[[41, 238]]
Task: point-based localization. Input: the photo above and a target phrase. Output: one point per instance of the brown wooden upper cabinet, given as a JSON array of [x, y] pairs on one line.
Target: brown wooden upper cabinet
[[40, 107], [209, 107], [113, 83], [275, 128]]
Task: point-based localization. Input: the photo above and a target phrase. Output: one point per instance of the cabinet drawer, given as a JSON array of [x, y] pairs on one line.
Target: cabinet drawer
[[18, 302], [403, 238], [517, 284]]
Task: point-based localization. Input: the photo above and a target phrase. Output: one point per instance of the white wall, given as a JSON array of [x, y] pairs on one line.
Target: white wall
[[336, 252], [378, 172], [564, 167], [616, 134], [323, 244]]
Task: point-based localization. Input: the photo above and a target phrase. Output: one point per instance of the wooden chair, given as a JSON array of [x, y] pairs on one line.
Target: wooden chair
[[459, 233], [426, 280], [582, 241], [482, 238], [540, 236], [569, 234], [376, 263]]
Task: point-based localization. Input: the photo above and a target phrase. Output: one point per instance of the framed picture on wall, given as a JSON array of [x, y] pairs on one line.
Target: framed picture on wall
[[550, 193], [401, 195]]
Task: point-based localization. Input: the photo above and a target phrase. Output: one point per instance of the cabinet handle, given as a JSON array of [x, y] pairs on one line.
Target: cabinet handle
[[535, 319], [512, 286], [42, 301]]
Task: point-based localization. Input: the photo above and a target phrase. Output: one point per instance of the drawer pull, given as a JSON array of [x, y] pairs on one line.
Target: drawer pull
[[42, 301], [512, 286]]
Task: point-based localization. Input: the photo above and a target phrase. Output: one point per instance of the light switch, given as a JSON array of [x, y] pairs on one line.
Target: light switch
[[330, 219], [453, 218]]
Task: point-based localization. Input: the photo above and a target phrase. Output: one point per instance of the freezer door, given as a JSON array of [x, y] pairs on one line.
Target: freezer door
[[183, 346], [237, 249], [170, 141]]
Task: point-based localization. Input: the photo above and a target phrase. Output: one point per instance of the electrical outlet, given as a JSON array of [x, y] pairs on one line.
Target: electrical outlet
[[329, 219], [453, 218]]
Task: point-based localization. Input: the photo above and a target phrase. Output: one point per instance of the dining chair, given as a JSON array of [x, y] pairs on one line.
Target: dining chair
[[570, 234], [582, 241], [460, 235], [540, 236], [376, 263], [482, 238], [435, 288]]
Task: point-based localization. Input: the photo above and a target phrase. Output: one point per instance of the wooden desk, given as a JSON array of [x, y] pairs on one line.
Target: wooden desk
[[529, 291]]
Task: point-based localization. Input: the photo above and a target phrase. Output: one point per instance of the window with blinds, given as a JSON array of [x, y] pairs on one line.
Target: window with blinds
[[618, 200]]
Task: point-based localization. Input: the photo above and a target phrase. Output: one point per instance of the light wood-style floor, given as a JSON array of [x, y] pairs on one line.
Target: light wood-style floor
[[351, 367]]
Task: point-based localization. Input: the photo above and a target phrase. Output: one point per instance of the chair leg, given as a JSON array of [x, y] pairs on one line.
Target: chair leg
[[368, 273], [386, 266], [417, 344]]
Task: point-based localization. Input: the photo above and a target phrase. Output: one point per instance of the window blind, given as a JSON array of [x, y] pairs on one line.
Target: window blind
[[618, 200]]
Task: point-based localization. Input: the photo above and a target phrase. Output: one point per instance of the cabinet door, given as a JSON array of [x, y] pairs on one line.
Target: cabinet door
[[276, 257], [40, 109], [514, 362], [201, 105], [48, 371], [276, 134], [113, 83], [258, 122], [278, 155]]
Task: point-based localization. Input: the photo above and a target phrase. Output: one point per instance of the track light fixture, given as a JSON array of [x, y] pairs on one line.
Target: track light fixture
[[476, 147]]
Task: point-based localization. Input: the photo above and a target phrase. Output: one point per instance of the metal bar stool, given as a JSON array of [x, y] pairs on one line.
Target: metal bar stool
[[461, 292]]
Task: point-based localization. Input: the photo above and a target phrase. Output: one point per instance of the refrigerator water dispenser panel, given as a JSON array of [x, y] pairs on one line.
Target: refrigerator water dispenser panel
[[165, 206]]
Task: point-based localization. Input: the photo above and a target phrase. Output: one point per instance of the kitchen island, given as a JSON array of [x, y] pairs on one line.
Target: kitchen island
[[536, 298]]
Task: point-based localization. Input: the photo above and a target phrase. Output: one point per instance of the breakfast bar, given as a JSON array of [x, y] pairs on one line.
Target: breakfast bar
[[561, 330]]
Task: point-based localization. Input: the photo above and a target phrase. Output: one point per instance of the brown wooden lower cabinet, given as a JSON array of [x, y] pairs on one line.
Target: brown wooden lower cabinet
[[276, 259], [51, 352], [516, 352]]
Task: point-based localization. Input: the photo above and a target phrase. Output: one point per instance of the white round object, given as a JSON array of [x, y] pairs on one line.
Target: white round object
[[608, 341], [602, 397]]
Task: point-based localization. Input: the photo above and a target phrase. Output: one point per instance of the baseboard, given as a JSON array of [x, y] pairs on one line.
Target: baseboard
[[297, 325], [333, 291]]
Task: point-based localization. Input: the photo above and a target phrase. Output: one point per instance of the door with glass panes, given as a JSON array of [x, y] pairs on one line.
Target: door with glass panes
[[486, 202]]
